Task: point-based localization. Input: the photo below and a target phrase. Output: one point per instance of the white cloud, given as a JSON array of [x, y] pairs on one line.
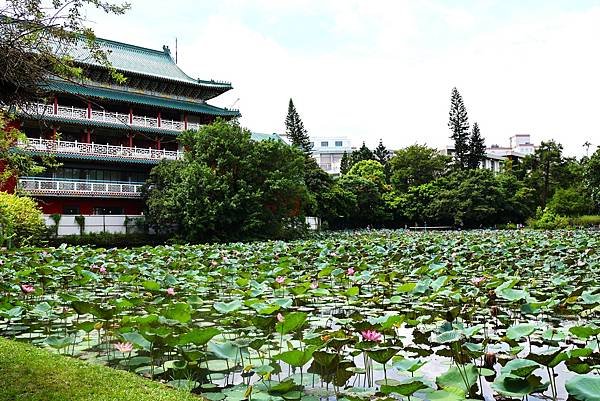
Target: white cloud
[[382, 71]]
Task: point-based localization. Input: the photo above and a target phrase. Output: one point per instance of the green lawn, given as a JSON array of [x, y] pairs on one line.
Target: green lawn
[[33, 374]]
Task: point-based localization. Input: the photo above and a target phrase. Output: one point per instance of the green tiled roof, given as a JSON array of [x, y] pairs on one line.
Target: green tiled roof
[[142, 61], [257, 136], [139, 98]]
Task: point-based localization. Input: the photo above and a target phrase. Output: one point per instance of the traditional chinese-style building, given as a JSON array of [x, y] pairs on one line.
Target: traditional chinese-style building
[[107, 135]]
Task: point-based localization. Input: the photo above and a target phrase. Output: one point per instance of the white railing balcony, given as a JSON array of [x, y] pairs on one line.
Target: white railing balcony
[[95, 149], [104, 116], [41, 186]]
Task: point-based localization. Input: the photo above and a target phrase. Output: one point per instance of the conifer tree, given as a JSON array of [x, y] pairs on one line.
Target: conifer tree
[[295, 131], [476, 148], [381, 153], [459, 126], [344, 164], [363, 153]]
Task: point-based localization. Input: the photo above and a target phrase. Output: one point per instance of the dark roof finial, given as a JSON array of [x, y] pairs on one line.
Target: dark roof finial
[[166, 49]]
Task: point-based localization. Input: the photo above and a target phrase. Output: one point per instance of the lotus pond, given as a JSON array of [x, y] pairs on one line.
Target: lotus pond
[[353, 316]]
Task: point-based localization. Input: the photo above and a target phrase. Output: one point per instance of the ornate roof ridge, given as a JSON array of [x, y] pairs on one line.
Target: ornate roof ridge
[[157, 63]]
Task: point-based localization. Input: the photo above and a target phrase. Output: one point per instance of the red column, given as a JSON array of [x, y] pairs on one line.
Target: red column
[[89, 110], [55, 105], [130, 115], [158, 143], [54, 133], [159, 118], [131, 139], [88, 136], [185, 121]]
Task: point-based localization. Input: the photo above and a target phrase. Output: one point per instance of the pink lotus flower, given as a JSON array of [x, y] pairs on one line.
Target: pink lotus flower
[[280, 279], [102, 270], [477, 280], [124, 347], [170, 291], [350, 271], [280, 318], [27, 288], [214, 263], [94, 267], [371, 335], [314, 285]]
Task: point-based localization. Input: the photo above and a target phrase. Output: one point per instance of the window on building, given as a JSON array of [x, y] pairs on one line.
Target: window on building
[[338, 143], [324, 144], [71, 210]]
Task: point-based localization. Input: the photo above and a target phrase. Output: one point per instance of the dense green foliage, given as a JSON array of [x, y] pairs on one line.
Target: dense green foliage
[[31, 374], [21, 221], [228, 187], [419, 186], [351, 316], [416, 165]]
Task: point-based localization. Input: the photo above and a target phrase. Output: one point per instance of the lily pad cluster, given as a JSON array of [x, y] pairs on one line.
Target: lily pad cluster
[[350, 316]]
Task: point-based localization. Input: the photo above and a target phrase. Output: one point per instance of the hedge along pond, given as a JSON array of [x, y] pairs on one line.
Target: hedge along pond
[[348, 316]]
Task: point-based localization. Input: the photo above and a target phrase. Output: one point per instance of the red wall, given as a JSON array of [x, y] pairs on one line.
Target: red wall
[[86, 205]]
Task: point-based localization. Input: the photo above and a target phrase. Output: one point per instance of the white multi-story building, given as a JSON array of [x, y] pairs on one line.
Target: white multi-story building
[[519, 147], [329, 150], [495, 155]]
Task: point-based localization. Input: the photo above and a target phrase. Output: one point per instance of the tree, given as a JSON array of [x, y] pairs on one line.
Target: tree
[[36, 41], [363, 153], [228, 187], [592, 176], [295, 131], [318, 183], [570, 202], [459, 127], [476, 148], [547, 170], [345, 163], [371, 170], [381, 153], [416, 165]]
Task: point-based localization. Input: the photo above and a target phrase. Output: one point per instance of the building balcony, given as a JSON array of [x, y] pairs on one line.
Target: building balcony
[[40, 186], [97, 150], [102, 116]]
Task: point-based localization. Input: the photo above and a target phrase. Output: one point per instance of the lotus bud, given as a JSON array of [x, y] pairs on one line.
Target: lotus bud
[[489, 360], [98, 326]]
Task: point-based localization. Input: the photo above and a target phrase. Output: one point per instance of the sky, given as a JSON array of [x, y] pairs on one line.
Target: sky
[[380, 69]]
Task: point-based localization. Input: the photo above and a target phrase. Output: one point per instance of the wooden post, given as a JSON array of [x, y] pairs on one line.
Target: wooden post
[[55, 104], [88, 136], [89, 108], [158, 119], [130, 115], [157, 143], [54, 133], [131, 139]]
